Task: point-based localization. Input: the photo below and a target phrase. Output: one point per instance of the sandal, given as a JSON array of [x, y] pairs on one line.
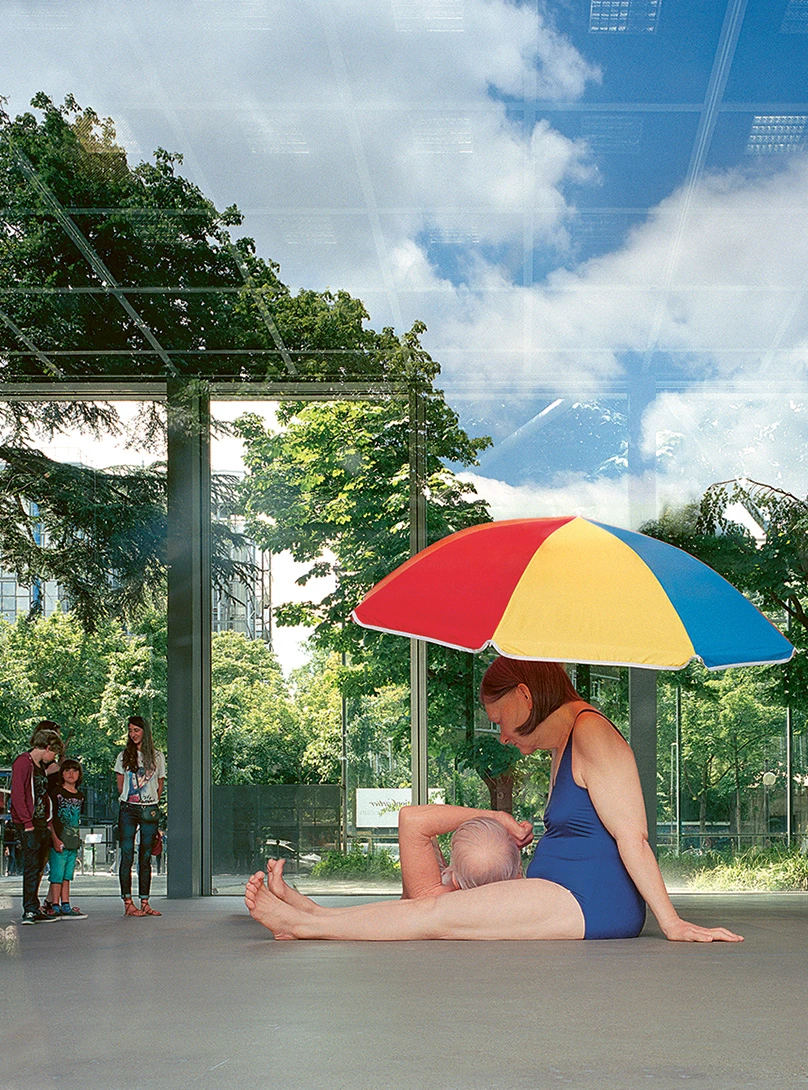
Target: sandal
[[130, 909], [147, 910]]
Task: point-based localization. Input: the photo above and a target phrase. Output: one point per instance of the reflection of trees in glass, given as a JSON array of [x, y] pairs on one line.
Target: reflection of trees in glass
[[765, 557], [756, 536], [731, 733], [197, 302], [331, 485]]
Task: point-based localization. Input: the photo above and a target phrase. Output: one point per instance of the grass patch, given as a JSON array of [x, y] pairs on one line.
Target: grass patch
[[752, 870], [357, 864]]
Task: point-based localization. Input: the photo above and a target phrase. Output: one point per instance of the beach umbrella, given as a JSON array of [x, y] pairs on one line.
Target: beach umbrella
[[572, 590]]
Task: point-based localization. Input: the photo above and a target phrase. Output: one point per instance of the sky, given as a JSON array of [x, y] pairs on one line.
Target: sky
[[602, 234]]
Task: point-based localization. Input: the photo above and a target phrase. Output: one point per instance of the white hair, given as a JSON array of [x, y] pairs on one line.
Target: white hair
[[482, 852]]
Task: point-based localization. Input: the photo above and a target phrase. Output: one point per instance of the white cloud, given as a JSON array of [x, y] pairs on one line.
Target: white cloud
[[316, 105], [701, 436], [605, 500]]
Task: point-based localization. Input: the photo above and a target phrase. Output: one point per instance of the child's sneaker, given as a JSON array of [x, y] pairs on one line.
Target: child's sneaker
[[49, 912], [30, 917], [74, 913]]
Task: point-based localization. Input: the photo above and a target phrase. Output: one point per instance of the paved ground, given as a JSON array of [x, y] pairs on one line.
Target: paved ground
[[204, 998]]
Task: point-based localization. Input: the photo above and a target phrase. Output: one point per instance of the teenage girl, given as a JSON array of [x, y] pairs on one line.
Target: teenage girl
[[141, 773]]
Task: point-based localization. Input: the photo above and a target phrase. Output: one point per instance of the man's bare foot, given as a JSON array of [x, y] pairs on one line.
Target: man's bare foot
[[281, 889], [276, 915]]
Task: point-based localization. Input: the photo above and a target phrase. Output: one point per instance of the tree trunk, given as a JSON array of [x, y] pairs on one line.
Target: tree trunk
[[500, 789]]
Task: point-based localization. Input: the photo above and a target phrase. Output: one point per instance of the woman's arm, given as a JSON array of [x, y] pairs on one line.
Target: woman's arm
[[605, 764], [418, 825]]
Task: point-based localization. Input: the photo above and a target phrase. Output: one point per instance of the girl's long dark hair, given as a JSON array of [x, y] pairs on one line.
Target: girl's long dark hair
[[146, 747]]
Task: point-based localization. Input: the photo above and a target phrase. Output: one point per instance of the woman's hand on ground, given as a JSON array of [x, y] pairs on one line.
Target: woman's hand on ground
[[682, 931]]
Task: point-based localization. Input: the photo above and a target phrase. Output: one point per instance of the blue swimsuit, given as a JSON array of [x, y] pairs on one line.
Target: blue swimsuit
[[578, 853]]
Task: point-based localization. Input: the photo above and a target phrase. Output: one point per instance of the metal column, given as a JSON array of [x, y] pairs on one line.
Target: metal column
[[189, 631], [418, 648], [642, 714]]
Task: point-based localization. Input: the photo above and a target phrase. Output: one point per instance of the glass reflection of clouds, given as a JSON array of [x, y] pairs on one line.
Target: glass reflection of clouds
[[601, 205]]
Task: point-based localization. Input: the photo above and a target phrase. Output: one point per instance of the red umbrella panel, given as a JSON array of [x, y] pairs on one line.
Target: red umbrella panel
[[572, 590]]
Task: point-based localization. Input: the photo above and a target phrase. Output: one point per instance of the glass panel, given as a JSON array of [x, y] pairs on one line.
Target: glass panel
[[84, 645], [308, 716]]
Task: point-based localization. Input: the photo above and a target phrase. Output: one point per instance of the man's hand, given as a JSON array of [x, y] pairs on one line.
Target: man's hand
[[520, 831]]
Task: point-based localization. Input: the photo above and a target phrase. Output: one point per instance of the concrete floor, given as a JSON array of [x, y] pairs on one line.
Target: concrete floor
[[203, 998]]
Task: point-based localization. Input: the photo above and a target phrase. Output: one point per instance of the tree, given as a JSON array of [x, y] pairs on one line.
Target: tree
[[66, 671], [728, 722], [331, 486], [769, 564], [255, 732], [131, 271], [76, 215]]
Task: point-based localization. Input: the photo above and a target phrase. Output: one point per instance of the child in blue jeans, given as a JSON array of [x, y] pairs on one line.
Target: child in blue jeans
[[68, 803]]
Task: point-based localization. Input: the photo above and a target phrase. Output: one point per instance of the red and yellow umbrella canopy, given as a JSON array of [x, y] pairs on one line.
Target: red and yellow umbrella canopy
[[572, 590]]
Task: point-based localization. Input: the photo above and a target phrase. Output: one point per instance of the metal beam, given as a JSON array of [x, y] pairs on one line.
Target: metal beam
[[642, 716], [189, 633], [89, 253], [418, 648]]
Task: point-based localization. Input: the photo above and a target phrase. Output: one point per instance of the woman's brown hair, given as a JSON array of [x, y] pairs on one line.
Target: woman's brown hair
[[129, 759], [548, 682]]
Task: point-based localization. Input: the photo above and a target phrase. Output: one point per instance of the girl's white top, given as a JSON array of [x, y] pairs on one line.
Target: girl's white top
[[141, 786]]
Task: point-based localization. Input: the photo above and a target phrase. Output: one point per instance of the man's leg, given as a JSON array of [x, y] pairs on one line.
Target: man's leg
[[531, 908]]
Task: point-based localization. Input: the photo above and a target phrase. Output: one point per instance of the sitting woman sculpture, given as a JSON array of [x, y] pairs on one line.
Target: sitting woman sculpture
[[593, 871]]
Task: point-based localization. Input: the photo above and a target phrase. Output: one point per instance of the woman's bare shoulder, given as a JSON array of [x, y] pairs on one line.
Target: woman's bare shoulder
[[595, 735]]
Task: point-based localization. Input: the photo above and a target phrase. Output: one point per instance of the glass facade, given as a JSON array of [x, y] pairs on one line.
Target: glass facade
[[606, 249]]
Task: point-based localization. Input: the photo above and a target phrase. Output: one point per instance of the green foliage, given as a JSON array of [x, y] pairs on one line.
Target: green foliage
[[255, 731], [77, 215], [756, 869], [331, 484], [105, 532], [89, 682], [101, 535], [770, 565], [487, 756], [357, 864], [377, 726], [728, 724]]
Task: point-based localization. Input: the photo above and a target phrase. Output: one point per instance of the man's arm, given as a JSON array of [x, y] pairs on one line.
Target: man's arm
[[418, 825]]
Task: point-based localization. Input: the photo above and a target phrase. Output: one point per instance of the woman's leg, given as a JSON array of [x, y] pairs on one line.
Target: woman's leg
[[148, 831], [530, 908], [127, 827]]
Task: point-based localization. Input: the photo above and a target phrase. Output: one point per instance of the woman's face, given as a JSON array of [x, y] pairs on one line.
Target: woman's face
[[509, 712], [136, 734]]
